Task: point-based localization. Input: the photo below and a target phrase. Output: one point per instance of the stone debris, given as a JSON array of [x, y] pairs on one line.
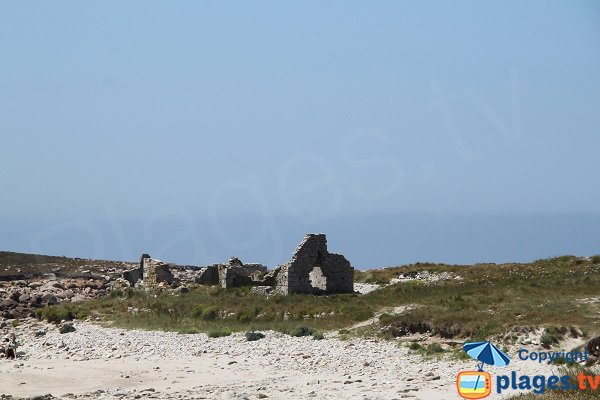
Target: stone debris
[[364, 288], [426, 277], [20, 298]]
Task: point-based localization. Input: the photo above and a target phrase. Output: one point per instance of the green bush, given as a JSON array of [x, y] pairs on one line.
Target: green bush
[[550, 337], [596, 259], [66, 328], [247, 315], [210, 313], [253, 336], [302, 331], [205, 313], [218, 332], [434, 348], [415, 346], [56, 314], [197, 312], [358, 312], [318, 336]]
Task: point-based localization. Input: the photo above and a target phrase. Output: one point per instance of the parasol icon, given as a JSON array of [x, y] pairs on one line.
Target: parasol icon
[[486, 353]]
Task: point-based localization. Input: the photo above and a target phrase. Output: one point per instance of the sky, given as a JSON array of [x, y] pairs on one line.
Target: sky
[[407, 131]]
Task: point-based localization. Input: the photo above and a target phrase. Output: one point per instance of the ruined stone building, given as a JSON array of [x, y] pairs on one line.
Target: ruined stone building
[[233, 274], [313, 270], [150, 271]]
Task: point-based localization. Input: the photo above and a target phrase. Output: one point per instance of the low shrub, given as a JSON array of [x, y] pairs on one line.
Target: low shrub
[[205, 313], [218, 332], [247, 315], [434, 348], [415, 346], [56, 314], [210, 314], [197, 312], [253, 336], [66, 328], [302, 331], [550, 337], [318, 336]]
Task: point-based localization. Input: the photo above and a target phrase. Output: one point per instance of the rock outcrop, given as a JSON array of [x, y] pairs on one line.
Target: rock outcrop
[[20, 298]]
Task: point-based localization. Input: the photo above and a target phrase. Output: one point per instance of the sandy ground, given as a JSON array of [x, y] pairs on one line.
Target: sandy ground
[[106, 363]]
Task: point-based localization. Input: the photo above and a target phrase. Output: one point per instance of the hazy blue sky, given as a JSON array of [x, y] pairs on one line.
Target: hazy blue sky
[[447, 131]]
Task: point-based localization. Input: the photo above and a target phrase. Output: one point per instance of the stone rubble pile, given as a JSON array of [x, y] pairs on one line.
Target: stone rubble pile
[[20, 298], [426, 277]]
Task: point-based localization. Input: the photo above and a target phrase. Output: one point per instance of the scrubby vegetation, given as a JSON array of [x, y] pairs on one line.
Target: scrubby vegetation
[[302, 331], [552, 336], [254, 336], [218, 332], [432, 349], [483, 300], [62, 312], [66, 328]]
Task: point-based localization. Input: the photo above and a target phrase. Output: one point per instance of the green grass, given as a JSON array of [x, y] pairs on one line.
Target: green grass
[[62, 312], [488, 300], [493, 298], [218, 332]]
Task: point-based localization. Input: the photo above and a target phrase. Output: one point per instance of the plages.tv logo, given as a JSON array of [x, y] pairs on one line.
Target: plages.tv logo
[[478, 384]]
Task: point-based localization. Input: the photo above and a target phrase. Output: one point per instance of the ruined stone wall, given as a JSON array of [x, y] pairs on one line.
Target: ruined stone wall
[[155, 272], [232, 274], [239, 275], [340, 274], [209, 276], [132, 276], [313, 270]]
